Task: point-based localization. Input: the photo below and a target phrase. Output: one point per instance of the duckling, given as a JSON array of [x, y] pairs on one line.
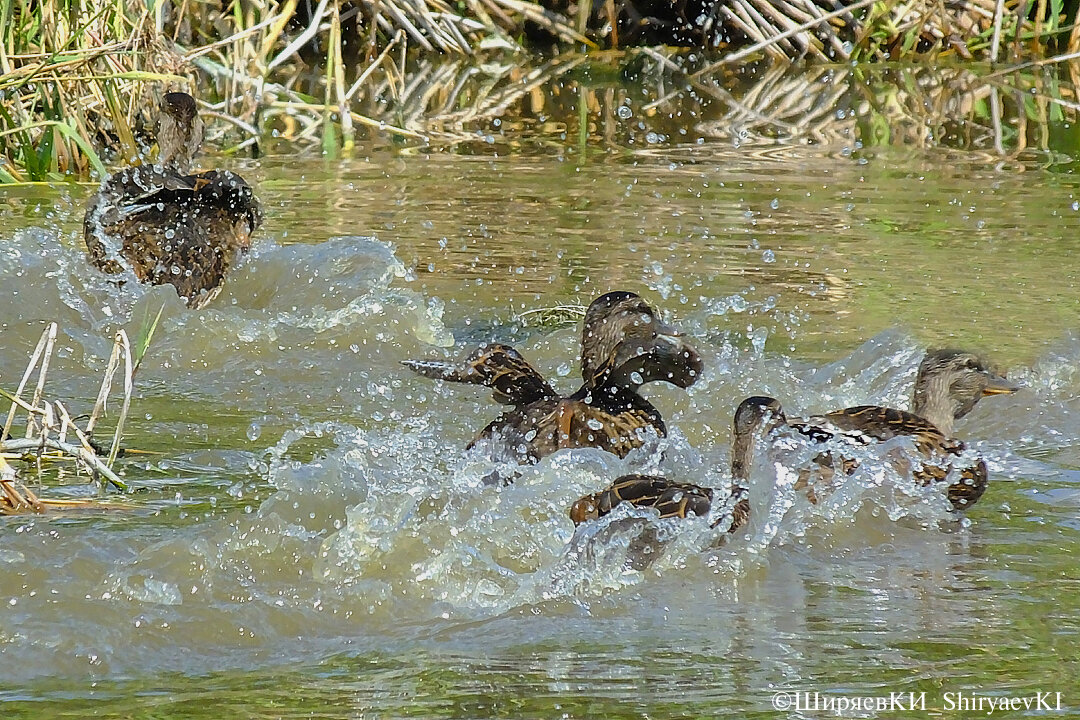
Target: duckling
[[168, 226], [624, 345], [755, 416]]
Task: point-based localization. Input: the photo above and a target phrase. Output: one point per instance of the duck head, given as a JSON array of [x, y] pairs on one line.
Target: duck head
[[950, 383], [755, 415], [179, 131], [624, 343], [584, 508]]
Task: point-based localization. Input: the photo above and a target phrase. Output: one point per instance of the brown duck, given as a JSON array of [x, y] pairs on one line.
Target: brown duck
[[168, 226], [948, 386], [754, 416], [624, 345]]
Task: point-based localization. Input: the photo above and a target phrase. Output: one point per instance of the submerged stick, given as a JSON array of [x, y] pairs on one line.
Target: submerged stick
[[19, 445]]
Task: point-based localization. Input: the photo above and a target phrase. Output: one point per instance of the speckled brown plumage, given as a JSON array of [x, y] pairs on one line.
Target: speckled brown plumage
[[669, 498], [948, 386], [624, 345], [168, 226], [754, 416]]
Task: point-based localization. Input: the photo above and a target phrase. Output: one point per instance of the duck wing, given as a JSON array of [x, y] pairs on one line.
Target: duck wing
[[135, 190], [865, 424], [500, 367], [540, 428], [671, 499], [159, 190]]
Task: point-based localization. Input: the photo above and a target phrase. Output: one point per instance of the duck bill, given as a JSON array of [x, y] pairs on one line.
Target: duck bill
[[683, 364], [668, 358], [999, 386]]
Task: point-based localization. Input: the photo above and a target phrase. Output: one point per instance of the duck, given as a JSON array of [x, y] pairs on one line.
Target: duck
[[948, 385], [624, 344], [756, 416], [170, 226]]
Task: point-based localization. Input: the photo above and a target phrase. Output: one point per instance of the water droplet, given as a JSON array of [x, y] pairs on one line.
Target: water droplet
[[624, 112], [768, 256]]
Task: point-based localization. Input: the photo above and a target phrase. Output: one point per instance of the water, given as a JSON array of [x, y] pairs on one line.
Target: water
[[308, 537]]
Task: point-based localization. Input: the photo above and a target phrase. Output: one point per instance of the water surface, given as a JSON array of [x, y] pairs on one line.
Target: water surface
[[308, 536]]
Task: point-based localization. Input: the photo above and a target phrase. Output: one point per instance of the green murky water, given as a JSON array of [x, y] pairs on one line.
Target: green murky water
[[309, 538]]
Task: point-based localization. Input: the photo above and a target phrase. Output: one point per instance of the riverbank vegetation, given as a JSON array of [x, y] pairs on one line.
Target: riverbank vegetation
[[44, 430], [80, 80]]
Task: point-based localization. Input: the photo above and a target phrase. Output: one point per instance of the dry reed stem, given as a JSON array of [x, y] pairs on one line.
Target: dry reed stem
[[303, 38], [1054, 60], [765, 44], [21, 445], [550, 21], [553, 315], [16, 498], [106, 386], [399, 37], [129, 372], [48, 337], [38, 434]]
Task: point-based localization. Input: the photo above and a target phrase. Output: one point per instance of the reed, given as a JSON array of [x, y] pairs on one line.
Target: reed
[[78, 81], [51, 434], [551, 317], [16, 498]]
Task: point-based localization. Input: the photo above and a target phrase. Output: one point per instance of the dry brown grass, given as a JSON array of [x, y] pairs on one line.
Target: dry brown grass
[[78, 82], [49, 433]]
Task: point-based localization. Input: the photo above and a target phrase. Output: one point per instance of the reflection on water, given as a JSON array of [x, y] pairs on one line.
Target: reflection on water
[[645, 103], [311, 536]]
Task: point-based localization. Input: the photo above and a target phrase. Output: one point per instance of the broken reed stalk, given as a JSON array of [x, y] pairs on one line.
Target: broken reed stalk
[[41, 416], [121, 337], [50, 341], [16, 498], [35, 357], [22, 445], [554, 315], [106, 384]]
